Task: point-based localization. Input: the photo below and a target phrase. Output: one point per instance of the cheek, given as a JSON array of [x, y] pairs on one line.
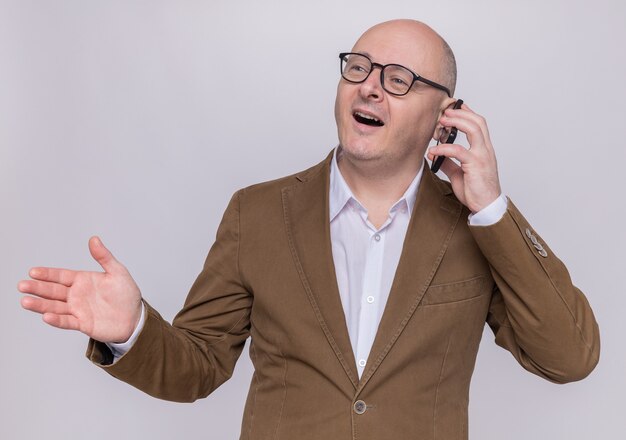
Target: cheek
[[413, 126], [411, 122], [341, 101], [337, 111]]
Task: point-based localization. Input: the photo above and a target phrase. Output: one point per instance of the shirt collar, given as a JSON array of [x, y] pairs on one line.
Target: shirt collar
[[340, 192]]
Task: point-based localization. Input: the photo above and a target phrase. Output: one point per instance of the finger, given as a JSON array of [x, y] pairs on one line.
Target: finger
[[67, 322], [451, 150], [450, 169], [53, 275], [469, 114], [44, 289], [40, 305], [475, 135], [103, 256]]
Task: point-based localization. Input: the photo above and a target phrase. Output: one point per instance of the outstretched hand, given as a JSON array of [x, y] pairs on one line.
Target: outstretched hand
[[475, 181], [105, 306]]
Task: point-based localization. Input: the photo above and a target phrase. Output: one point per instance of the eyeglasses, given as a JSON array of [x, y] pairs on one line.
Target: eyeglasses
[[395, 79]]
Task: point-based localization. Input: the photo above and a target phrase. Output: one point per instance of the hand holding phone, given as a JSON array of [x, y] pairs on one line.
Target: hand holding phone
[[437, 161]]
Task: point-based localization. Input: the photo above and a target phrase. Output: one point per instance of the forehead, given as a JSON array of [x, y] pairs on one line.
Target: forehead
[[409, 46]]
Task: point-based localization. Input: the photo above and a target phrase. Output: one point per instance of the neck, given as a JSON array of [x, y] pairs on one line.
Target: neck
[[376, 184]]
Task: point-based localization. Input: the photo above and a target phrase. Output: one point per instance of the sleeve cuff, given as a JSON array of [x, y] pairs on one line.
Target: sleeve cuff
[[119, 350], [490, 214]]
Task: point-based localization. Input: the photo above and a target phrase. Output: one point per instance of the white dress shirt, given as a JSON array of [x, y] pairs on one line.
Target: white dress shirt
[[365, 258]]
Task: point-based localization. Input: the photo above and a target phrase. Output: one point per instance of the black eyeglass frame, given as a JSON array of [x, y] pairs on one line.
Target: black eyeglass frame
[[416, 77]]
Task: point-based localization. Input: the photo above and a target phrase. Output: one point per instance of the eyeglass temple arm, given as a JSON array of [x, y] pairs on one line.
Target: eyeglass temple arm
[[434, 84]]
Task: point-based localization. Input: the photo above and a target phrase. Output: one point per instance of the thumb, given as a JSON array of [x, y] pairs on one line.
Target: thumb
[[453, 171], [103, 256], [449, 168]]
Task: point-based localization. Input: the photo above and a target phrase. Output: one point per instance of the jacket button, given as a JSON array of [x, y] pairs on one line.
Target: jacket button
[[359, 407]]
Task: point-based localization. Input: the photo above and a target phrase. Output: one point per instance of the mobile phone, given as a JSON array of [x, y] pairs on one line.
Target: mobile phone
[[437, 161]]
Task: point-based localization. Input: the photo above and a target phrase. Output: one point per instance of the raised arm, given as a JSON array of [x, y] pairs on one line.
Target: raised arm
[[536, 312], [182, 361], [191, 357]]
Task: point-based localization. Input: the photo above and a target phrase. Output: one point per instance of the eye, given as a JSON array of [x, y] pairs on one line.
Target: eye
[[356, 67], [399, 81]]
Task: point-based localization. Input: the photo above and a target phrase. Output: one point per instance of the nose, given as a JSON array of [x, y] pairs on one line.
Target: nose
[[371, 88]]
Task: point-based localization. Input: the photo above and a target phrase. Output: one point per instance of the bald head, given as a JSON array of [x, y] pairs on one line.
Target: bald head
[[432, 56]]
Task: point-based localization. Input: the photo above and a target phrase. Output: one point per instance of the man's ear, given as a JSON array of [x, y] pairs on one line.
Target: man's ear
[[440, 130]]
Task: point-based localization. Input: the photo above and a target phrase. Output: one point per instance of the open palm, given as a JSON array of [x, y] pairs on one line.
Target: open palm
[[104, 305]]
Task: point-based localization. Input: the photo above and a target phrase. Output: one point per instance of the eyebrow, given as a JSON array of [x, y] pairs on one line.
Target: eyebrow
[[367, 54]]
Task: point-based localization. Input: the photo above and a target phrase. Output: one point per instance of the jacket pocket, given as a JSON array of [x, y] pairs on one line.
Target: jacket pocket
[[457, 291]]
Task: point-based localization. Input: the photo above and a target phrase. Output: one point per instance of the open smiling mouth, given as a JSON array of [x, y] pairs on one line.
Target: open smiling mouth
[[367, 119]]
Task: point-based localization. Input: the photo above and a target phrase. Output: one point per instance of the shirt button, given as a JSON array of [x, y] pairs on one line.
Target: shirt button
[[370, 299], [362, 363], [359, 407], [377, 237]]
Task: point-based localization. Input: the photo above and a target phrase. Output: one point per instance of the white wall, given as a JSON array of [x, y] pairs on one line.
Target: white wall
[[136, 120]]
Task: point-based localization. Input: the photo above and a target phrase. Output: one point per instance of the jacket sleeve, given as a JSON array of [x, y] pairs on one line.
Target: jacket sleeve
[[191, 357], [536, 312]]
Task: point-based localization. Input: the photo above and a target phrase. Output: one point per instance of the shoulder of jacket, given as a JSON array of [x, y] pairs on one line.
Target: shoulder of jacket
[[276, 185]]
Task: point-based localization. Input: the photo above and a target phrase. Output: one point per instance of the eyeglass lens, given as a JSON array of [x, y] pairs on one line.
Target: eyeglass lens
[[396, 79]]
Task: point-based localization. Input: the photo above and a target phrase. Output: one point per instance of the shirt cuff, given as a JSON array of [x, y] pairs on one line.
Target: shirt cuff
[[490, 214], [119, 350]]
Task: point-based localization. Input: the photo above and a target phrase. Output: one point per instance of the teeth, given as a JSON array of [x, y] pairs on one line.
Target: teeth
[[367, 116]]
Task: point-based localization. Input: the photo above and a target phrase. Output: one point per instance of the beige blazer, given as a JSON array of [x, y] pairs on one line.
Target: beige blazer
[[270, 275]]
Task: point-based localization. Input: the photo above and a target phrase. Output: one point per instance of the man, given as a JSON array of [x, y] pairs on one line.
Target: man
[[364, 281]]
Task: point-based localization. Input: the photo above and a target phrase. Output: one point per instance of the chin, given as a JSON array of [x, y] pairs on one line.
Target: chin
[[362, 147], [362, 150]]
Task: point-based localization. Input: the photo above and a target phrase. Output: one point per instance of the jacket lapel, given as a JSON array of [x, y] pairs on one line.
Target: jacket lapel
[[435, 216], [306, 215]]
